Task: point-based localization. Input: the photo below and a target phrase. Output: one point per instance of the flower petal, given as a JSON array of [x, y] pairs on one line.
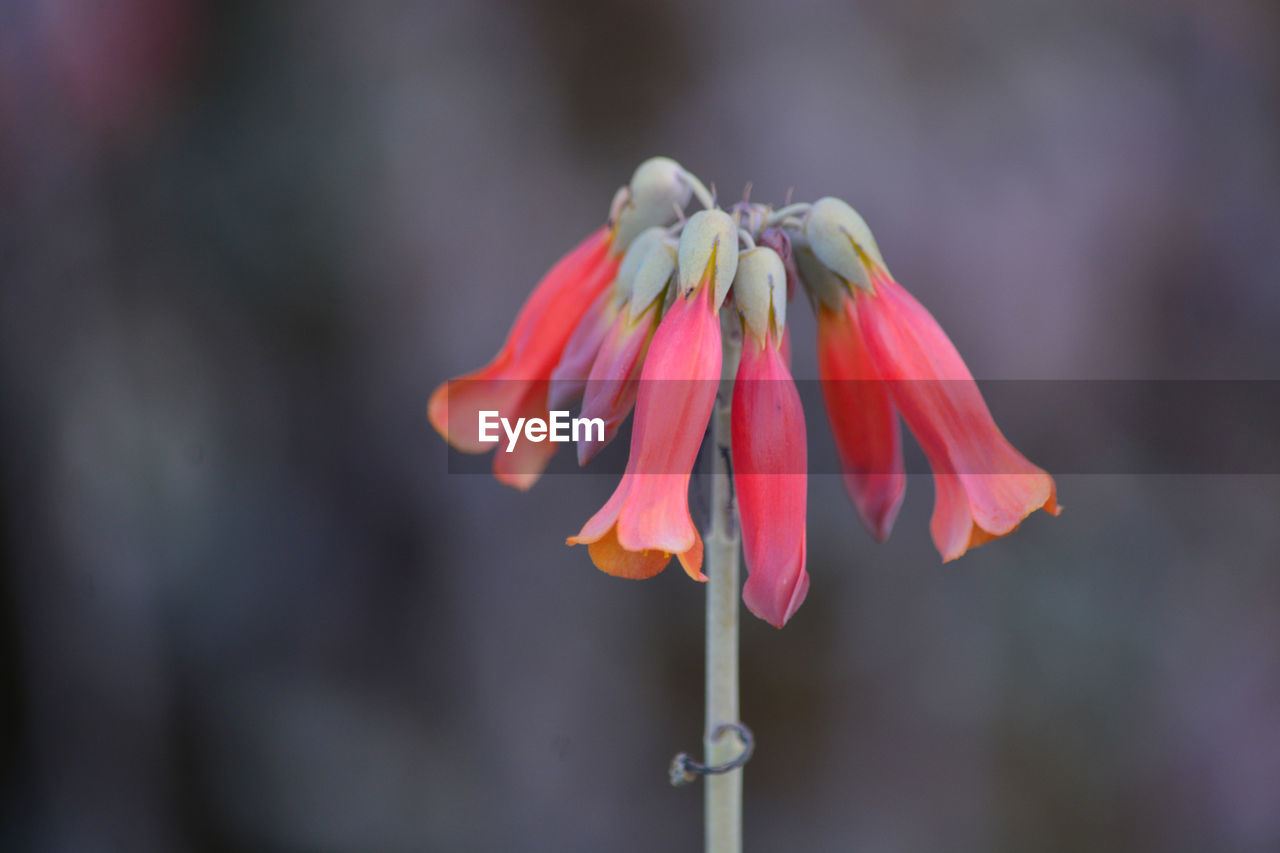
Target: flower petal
[[655, 514], [454, 406], [532, 347], [522, 465], [569, 378], [606, 518], [691, 559], [610, 557], [863, 420], [984, 487], [611, 391], [776, 596], [770, 481], [677, 391]]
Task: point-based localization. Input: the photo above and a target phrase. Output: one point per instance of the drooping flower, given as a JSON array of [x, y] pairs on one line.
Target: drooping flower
[[515, 383], [984, 488], [863, 419], [630, 319], [647, 519], [569, 378], [768, 439], [615, 375]]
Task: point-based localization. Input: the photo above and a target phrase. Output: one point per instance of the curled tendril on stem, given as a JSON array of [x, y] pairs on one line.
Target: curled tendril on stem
[[684, 770]]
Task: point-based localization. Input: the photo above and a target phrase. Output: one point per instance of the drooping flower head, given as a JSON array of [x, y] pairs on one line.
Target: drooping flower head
[[631, 320]]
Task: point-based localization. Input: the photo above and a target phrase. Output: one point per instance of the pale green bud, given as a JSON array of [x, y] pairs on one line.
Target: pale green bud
[[841, 240], [759, 287], [652, 277], [822, 284], [634, 259], [710, 236], [657, 190]]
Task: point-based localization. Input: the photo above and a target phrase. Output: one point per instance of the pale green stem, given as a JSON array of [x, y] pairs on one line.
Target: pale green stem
[[704, 196], [799, 209], [723, 805]]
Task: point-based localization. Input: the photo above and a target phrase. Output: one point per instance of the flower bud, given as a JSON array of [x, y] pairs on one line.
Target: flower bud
[[759, 286], [657, 189], [633, 260], [652, 277], [776, 238], [709, 237], [823, 285], [841, 240]]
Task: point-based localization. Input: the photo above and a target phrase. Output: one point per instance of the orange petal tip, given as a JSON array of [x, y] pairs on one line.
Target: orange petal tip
[[611, 558]]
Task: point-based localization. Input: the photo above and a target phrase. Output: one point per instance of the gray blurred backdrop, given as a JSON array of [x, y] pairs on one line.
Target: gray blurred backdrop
[[247, 607]]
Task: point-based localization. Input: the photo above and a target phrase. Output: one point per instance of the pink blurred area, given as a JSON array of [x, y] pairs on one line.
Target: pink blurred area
[[112, 61], [247, 604], [98, 70]]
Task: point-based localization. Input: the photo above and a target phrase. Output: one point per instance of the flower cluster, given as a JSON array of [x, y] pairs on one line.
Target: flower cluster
[[631, 319]]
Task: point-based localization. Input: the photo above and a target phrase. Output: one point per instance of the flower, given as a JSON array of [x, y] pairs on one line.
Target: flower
[[984, 488], [647, 520], [569, 379], [516, 383], [863, 419], [615, 374], [630, 320], [768, 439]]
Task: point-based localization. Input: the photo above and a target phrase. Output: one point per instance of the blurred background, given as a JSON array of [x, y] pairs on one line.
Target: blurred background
[[245, 604]]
